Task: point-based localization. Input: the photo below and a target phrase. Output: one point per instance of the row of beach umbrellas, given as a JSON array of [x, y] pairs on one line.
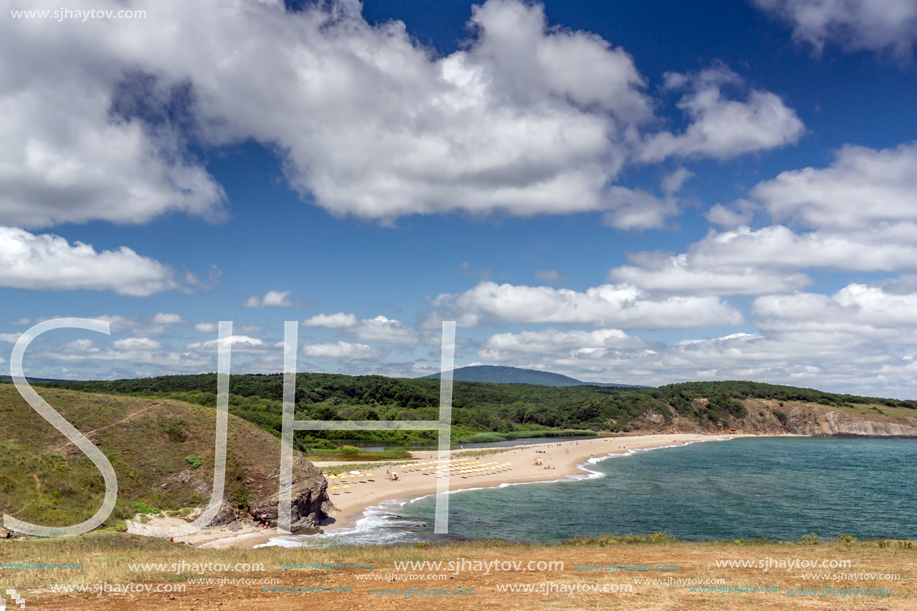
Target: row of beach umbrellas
[[346, 476], [464, 468]]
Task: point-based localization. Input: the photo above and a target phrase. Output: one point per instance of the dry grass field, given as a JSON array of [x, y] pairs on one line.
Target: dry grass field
[[105, 558]]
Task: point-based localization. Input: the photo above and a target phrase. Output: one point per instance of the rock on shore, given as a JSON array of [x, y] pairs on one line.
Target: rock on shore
[[310, 502]]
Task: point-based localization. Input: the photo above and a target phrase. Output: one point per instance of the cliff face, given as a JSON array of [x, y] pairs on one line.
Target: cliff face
[[772, 417], [310, 502], [803, 420]]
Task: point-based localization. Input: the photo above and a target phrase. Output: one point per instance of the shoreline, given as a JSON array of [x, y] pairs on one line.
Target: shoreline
[[564, 467], [560, 461]]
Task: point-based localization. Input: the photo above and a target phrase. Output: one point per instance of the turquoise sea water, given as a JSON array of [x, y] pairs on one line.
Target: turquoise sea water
[[779, 488]]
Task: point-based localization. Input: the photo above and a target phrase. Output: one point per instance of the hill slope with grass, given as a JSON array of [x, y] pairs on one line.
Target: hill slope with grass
[[162, 452]]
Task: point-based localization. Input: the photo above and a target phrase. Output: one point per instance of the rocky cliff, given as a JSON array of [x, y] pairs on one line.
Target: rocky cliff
[[823, 421], [310, 502], [772, 417]]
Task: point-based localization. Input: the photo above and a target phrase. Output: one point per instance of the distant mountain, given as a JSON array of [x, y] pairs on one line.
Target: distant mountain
[[514, 375], [9, 379]]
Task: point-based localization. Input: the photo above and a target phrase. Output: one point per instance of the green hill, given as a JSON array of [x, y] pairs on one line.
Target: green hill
[[162, 451]]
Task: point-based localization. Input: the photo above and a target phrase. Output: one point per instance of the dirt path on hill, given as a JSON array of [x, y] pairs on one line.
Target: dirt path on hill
[[127, 418]]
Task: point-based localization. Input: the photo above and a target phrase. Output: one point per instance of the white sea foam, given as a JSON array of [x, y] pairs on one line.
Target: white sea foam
[[379, 525]]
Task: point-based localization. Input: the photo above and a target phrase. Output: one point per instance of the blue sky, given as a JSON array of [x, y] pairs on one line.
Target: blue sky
[[624, 192]]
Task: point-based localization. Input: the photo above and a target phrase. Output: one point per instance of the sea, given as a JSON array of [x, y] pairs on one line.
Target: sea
[[748, 488]]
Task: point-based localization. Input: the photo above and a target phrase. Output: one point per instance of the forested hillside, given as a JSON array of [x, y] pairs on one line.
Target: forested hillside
[[483, 407]]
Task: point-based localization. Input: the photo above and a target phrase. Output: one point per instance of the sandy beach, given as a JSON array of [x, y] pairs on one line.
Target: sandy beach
[[352, 495]]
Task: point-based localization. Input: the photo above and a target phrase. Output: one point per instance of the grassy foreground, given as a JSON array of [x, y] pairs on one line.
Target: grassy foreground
[[105, 558]]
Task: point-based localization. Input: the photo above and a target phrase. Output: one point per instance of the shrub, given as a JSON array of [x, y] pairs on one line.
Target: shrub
[[176, 431], [242, 496], [194, 461], [143, 508], [660, 537], [809, 539]]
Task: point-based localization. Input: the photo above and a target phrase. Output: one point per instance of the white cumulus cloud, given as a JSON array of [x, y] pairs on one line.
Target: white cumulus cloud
[[345, 351], [238, 343], [511, 346], [524, 119], [721, 127], [864, 312], [277, 299], [875, 25], [677, 275], [332, 321], [380, 329], [67, 154], [167, 319], [608, 305], [385, 330], [136, 343], [49, 262], [863, 187], [136, 350], [776, 246]]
